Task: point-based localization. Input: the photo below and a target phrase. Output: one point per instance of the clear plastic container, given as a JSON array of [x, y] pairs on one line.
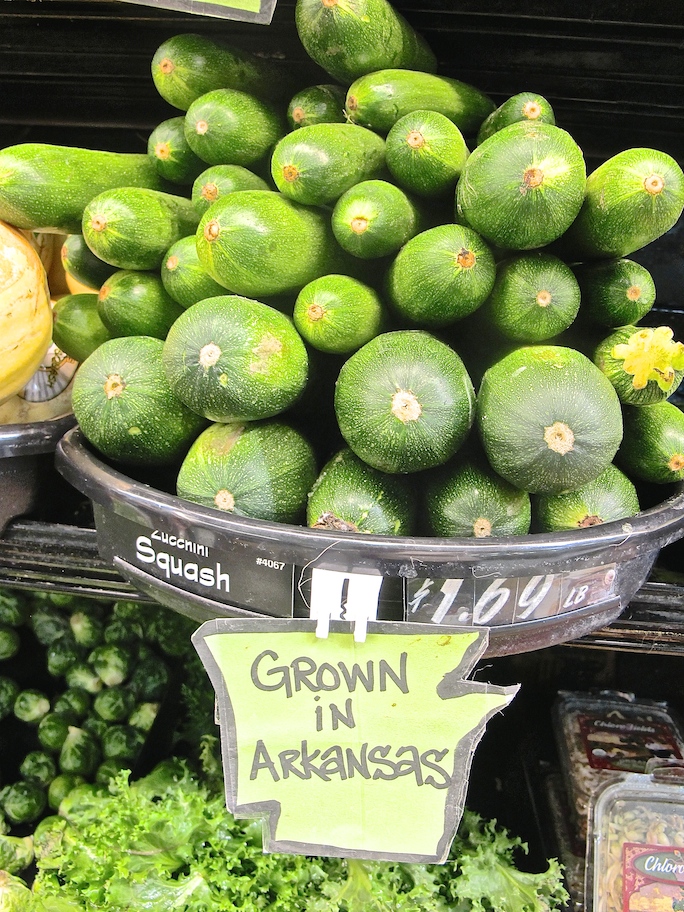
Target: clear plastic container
[[636, 846], [604, 735]]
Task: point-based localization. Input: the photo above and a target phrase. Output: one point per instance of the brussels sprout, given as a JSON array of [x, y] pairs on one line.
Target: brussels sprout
[[4, 825], [114, 704], [113, 663], [86, 628], [143, 716], [108, 769], [16, 853], [15, 896], [31, 705], [122, 742], [79, 754], [60, 787], [150, 678], [95, 727], [73, 702], [171, 631], [10, 641], [132, 611], [37, 766], [47, 839], [13, 608], [22, 801], [83, 675], [9, 690], [62, 654], [122, 632], [145, 651], [48, 623], [53, 729]]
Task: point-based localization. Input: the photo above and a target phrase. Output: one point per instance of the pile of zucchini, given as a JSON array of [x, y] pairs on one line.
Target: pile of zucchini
[[382, 303], [81, 685]]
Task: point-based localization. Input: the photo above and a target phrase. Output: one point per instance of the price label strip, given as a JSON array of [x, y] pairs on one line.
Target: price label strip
[[493, 602]]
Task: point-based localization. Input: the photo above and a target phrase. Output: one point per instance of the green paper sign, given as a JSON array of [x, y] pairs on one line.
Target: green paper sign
[[259, 11], [356, 749]]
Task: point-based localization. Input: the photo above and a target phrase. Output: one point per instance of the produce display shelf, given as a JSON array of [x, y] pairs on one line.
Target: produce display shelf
[[65, 558]]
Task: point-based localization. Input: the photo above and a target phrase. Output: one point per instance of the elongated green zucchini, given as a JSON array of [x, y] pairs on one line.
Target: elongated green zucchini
[[229, 127], [46, 187], [426, 153], [171, 153], [349, 38], [525, 106], [188, 65], [258, 243], [523, 186], [132, 228], [380, 98], [375, 218], [631, 200], [315, 165], [317, 104]]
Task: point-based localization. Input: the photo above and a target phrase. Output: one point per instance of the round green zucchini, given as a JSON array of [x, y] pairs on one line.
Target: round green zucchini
[[441, 275], [263, 470], [183, 276], [378, 99], [171, 153], [80, 262], [351, 496], [525, 106], [229, 127], [77, 327], [186, 66], [260, 243], [374, 218], [317, 104], [132, 227], [644, 364], [616, 292], [230, 358], [219, 180], [350, 38], [609, 497], [132, 303], [338, 314], [404, 402], [467, 499], [631, 200], [315, 165], [549, 420], [652, 448], [523, 187], [425, 153], [125, 407], [535, 297]]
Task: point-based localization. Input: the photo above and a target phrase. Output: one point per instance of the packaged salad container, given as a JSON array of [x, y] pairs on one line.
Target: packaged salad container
[[604, 735], [636, 847]]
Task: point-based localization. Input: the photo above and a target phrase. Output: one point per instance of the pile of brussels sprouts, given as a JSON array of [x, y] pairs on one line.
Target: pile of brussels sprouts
[[81, 683]]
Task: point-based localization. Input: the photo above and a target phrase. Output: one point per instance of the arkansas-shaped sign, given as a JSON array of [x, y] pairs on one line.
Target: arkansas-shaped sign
[[356, 749]]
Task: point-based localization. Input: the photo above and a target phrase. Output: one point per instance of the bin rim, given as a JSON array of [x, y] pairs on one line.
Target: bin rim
[[111, 488], [31, 438]]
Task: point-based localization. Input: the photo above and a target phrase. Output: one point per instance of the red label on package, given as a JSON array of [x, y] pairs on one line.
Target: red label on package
[[652, 878], [618, 742]]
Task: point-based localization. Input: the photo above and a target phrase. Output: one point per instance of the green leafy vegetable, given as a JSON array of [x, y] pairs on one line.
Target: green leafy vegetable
[[166, 843]]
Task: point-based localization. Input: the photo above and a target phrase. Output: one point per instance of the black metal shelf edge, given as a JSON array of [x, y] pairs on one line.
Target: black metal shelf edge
[[65, 558]]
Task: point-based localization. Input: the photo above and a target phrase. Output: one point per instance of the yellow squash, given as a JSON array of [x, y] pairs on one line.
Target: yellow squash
[[25, 312]]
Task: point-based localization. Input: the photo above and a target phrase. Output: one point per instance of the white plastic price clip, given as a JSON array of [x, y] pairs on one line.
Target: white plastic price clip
[[328, 601]]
